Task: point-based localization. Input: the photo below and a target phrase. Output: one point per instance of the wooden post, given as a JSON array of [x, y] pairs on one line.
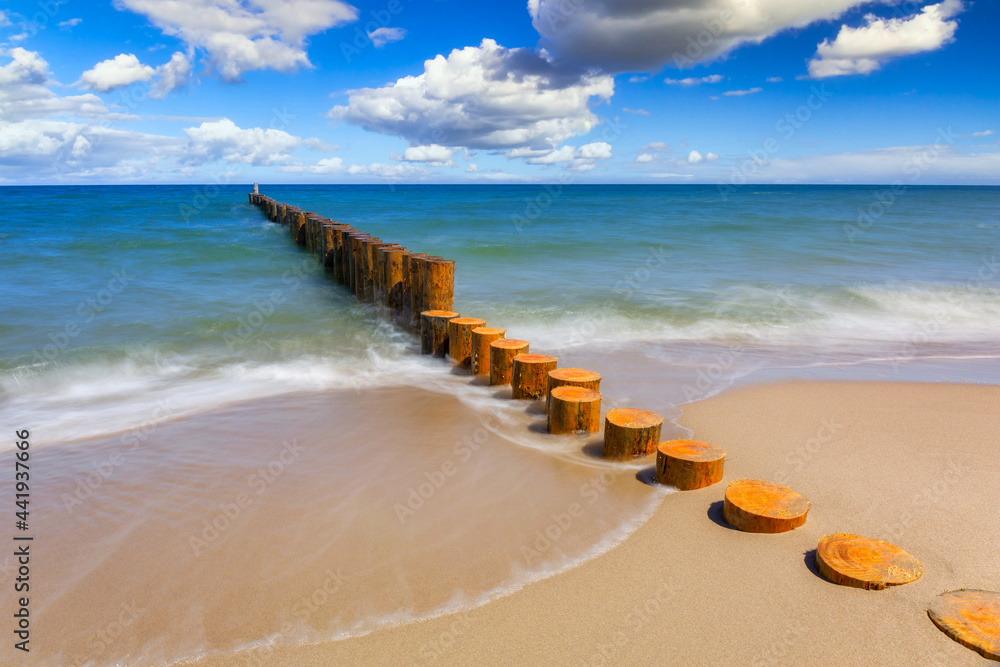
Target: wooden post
[[417, 289], [439, 284], [460, 339], [393, 261], [255, 189], [314, 224], [354, 259], [861, 562], [755, 506], [378, 270], [327, 255], [481, 339], [340, 248], [280, 213], [574, 410], [572, 377], [971, 617], [298, 228], [530, 377], [367, 287], [630, 433], [502, 353], [689, 464], [434, 332], [405, 319]]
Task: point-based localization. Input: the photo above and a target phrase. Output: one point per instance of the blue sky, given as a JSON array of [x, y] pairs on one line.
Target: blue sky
[[571, 91]]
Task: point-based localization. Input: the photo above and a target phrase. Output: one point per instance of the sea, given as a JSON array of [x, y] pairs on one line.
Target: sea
[[229, 451]]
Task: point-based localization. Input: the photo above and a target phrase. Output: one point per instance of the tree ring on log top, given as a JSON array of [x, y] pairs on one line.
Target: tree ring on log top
[[756, 506], [971, 617], [863, 562]]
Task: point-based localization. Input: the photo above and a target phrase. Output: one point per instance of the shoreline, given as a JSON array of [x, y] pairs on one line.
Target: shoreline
[[905, 462]]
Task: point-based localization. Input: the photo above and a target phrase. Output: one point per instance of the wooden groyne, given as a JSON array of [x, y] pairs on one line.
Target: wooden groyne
[[403, 283], [417, 291]]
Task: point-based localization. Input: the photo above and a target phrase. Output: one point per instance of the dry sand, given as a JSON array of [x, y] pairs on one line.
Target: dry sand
[[914, 464]]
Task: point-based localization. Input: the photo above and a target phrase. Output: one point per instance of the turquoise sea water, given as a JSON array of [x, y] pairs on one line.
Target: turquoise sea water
[[114, 296]]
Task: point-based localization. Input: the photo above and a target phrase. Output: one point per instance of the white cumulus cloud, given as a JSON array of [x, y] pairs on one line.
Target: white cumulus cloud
[[435, 155], [645, 35], [738, 93], [382, 36], [863, 50], [170, 75], [125, 69], [245, 35], [25, 91], [118, 72], [485, 96], [224, 140], [694, 157], [644, 157]]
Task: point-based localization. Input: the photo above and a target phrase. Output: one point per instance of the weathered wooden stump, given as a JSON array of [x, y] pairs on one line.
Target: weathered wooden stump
[[366, 290], [327, 257], [297, 226], [688, 464], [630, 433], [571, 377], [755, 506], [574, 410], [355, 260], [434, 331], [460, 339], [340, 249], [416, 267], [862, 562], [378, 270], [530, 377], [971, 617], [439, 284], [392, 265], [502, 353], [481, 339]]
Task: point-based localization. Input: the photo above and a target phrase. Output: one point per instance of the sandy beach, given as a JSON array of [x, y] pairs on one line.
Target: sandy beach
[[914, 464]]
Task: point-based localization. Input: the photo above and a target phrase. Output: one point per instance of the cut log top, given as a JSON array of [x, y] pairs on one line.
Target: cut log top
[[863, 562], [575, 375], [971, 617], [691, 450], [474, 322], [689, 464], [488, 331], [576, 394], [440, 313], [535, 359], [766, 498], [755, 506], [508, 343], [633, 418]]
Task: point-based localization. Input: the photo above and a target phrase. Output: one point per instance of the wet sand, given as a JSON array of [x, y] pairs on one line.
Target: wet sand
[[306, 517], [914, 464]]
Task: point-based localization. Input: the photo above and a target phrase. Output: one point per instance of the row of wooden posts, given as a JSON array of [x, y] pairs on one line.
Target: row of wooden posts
[[417, 291], [403, 282]]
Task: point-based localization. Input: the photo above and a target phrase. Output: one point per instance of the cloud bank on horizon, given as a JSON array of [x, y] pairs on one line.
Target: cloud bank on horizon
[[748, 90]]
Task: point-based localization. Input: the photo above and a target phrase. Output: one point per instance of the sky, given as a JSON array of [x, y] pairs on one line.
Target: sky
[[723, 92]]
